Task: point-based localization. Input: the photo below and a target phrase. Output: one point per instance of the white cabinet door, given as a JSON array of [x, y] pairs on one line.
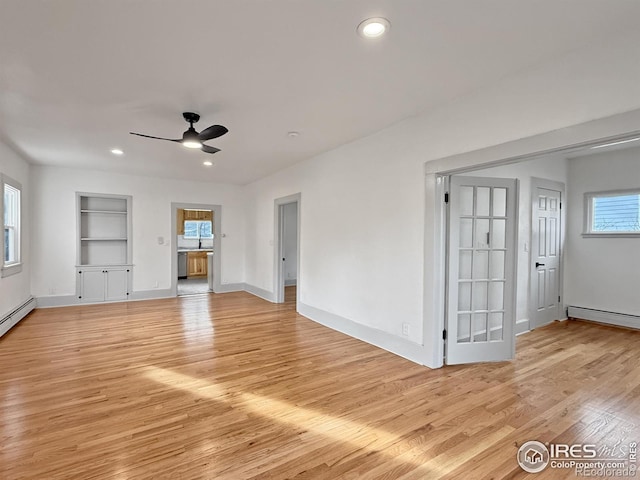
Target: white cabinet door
[[116, 284], [91, 285], [100, 284]]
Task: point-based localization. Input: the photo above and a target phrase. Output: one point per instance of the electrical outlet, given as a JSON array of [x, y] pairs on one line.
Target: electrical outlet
[[405, 329], [155, 284]]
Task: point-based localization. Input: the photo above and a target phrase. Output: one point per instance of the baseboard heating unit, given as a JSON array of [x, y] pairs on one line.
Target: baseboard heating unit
[[602, 316], [16, 315]]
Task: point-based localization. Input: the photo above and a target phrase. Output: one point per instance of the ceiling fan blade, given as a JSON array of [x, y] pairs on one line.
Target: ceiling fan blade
[[214, 131], [208, 149], [157, 138]]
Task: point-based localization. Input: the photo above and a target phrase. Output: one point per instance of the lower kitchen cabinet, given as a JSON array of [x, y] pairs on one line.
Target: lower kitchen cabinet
[[196, 264], [103, 284]]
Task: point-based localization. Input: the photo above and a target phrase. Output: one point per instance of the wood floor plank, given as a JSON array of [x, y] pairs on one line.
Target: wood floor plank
[[234, 387]]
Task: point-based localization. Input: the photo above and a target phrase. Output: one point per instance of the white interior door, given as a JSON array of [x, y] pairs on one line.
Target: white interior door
[[481, 270], [545, 255]]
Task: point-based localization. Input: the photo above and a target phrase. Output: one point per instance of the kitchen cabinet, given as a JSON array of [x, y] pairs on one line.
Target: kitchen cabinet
[[103, 284], [196, 264], [198, 215]]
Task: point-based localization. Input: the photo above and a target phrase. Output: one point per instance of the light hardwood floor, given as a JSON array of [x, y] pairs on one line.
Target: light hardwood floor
[[233, 387]]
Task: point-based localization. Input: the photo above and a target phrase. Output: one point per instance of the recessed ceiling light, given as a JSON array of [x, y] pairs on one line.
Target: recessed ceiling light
[[117, 151], [207, 163], [293, 134], [616, 143], [373, 27]]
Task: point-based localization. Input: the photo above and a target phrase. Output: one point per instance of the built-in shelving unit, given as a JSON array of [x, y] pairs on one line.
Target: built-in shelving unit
[[104, 247]]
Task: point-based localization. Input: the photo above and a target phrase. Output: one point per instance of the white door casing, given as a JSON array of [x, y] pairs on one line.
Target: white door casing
[[481, 269], [546, 250]]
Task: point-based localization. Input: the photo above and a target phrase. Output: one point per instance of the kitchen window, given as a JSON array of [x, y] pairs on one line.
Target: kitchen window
[[11, 226], [198, 229], [612, 213]]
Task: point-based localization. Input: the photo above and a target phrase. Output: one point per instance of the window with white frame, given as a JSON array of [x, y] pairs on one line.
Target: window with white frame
[[11, 226], [612, 213]]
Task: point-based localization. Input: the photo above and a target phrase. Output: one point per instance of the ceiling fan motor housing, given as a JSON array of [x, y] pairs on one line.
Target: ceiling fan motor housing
[[191, 117]]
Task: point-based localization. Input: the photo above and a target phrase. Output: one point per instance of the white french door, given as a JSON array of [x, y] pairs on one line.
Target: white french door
[[481, 269], [546, 234]]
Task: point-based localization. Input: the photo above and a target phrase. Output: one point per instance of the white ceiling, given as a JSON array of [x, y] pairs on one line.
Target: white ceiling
[[77, 76]]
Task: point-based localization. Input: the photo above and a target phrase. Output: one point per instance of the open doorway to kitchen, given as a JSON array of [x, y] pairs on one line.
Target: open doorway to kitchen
[[196, 252]]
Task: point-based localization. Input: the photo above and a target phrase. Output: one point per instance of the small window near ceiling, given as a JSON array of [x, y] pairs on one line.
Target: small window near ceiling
[[11, 238], [197, 229], [613, 213]]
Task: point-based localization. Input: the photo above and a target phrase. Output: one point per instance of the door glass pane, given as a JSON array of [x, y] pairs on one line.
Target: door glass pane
[[498, 234], [496, 326], [480, 295], [481, 264], [466, 201], [464, 296], [499, 202], [482, 206], [496, 296], [479, 327], [482, 233], [464, 266], [496, 268], [466, 233], [464, 328]]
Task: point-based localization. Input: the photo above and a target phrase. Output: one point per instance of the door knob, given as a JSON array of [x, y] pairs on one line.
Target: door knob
[[539, 264]]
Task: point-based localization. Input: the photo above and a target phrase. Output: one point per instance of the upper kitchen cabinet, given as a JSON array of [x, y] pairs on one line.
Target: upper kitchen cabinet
[[198, 215]]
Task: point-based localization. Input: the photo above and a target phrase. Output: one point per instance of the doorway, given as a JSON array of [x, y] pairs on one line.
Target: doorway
[[195, 265], [287, 249], [546, 251]]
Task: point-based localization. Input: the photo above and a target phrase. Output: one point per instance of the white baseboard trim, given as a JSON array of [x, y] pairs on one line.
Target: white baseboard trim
[[151, 294], [391, 343], [522, 326], [290, 282], [230, 287], [9, 320], [57, 301], [260, 292], [71, 300], [602, 316]]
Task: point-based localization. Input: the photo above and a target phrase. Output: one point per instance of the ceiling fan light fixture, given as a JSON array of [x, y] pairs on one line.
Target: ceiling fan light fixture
[[373, 27], [190, 139], [192, 144]]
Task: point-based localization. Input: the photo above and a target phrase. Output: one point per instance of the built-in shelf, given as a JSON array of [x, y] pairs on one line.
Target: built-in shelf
[[111, 212], [103, 264], [115, 239]]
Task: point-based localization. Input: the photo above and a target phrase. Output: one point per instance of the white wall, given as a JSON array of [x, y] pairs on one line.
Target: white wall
[[54, 221], [290, 243], [550, 167], [15, 289], [367, 257], [602, 273]]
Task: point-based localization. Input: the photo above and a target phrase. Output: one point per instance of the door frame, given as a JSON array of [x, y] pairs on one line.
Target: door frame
[[217, 243], [558, 187], [278, 242]]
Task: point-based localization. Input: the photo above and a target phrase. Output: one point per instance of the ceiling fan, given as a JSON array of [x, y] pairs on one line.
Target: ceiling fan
[[193, 139]]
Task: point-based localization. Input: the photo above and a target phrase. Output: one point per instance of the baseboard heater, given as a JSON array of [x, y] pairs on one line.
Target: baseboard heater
[[16, 315], [603, 316]]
